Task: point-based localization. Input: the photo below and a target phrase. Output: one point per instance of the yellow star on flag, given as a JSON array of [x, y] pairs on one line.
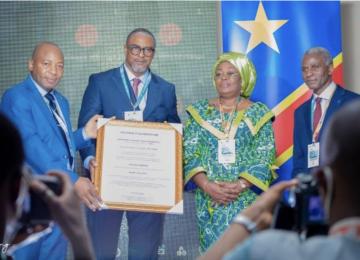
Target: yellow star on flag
[[261, 29]]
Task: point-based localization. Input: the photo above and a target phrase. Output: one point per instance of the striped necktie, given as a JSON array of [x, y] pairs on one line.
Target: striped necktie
[[135, 86], [50, 97]]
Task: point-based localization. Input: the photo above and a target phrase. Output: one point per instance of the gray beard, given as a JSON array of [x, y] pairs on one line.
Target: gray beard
[[139, 69]]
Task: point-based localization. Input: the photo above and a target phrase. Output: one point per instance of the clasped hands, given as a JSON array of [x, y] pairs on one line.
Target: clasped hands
[[224, 193]]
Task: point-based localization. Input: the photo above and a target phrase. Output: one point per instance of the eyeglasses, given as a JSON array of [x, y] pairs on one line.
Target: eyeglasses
[[136, 50]]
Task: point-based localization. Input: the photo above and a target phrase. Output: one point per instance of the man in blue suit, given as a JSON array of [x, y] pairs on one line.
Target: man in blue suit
[[128, 92], [311, 117], [43, 118]]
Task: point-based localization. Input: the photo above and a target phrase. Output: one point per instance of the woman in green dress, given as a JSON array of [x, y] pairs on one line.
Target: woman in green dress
[[229, 147]]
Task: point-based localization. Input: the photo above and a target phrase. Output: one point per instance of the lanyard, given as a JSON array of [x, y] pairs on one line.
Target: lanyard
[[143, 90], [227, 124]]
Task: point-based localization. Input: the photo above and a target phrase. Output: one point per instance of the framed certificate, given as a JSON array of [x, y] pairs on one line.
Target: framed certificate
[[140, 166]]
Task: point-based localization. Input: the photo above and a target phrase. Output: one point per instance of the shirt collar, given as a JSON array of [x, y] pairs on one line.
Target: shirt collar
[[42, 91], [131, 76], [328, 92]]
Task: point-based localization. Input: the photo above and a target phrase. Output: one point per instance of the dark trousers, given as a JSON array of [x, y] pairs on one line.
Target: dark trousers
[[145, 233]]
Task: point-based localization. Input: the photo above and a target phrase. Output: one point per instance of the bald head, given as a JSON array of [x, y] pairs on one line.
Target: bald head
[[40, 45], [47, 65]]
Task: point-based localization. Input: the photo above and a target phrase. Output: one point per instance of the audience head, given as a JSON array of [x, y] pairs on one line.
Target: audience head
[[317, 69], [340, 160], [139, 50], [11, 161], [234, 74], [47, 65]]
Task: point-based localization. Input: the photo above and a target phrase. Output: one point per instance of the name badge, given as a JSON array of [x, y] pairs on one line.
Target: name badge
[[134, 115], [226, 151], [313, 155]]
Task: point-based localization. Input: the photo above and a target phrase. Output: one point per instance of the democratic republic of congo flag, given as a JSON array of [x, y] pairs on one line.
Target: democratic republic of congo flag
[[275, 35]]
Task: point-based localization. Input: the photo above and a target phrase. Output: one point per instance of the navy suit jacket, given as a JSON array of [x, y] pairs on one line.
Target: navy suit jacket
[[106, 95], [303, 127], [44, 146]]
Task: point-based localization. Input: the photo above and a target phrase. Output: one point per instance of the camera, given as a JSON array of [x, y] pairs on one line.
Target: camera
[[304, 212], [35, 210]]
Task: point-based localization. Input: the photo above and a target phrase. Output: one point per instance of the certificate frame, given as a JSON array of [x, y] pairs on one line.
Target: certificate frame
[[103, 151]]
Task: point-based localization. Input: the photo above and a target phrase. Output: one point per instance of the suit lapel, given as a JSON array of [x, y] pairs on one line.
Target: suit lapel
[[153, 98], [120, 91], [307, 119], [40, 102], [333, 106]]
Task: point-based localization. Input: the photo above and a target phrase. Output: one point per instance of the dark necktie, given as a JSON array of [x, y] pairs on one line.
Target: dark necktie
[[317, 113], [56, 114]]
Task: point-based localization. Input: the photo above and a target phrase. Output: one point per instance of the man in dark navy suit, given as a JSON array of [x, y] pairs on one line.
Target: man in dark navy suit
[[128, 92], [311, 118]]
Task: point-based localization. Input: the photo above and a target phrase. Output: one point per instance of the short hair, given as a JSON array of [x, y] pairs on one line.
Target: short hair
[[11, 151], [324, 53], [40, 44], [141, 30]]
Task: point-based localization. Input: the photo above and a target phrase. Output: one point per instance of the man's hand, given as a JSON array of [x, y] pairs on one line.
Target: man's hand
[[261, 210], [92, 168], [87, 193], [91, 126], [66, 210]]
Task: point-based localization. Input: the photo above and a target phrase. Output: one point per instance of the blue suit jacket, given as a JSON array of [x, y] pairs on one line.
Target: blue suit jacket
[[44, 146], [303, 127], [105, 95]]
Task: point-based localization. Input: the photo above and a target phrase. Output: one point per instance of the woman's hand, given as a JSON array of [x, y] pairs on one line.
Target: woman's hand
[[222, 192], [236, 187]]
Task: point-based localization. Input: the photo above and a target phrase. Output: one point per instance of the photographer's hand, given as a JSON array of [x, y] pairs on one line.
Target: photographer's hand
[[67, 212], [259, 212], [87, 193]]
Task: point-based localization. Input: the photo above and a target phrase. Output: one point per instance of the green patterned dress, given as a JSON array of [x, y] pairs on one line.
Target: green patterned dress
[[255, 156]]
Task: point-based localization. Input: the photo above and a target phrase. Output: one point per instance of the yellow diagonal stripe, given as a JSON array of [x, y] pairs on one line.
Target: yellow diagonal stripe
[[338, 60], [290, 99], [282, 158]]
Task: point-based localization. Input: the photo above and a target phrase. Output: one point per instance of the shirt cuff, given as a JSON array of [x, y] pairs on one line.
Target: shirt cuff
[[86, 138], [87, 161]]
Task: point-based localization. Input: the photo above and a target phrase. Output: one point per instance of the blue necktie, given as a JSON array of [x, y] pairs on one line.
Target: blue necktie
[[49, 96]]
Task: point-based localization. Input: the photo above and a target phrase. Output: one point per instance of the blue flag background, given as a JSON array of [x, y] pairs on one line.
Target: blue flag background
[[275, 34]]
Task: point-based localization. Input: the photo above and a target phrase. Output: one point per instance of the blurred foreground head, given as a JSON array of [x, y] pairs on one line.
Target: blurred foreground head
[[11, 163], [340, 155]]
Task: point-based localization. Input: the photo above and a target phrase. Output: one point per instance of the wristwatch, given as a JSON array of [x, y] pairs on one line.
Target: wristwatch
[[247, 223]]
